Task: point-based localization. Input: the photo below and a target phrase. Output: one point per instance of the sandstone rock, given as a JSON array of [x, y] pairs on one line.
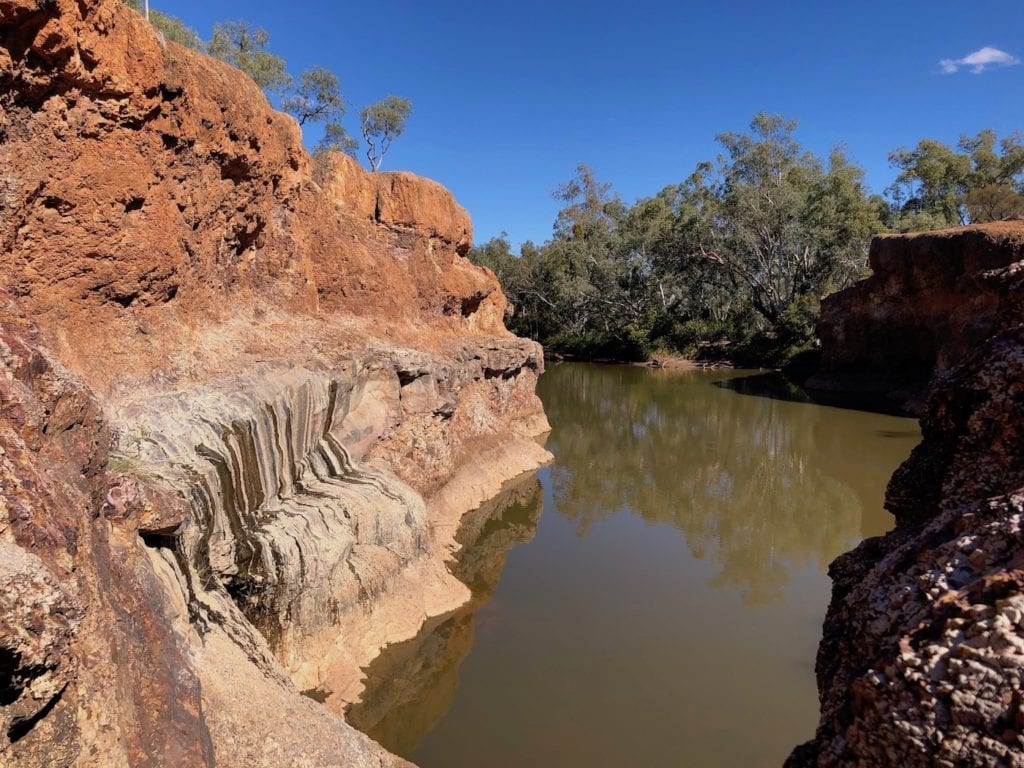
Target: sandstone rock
[[81, 614], [922, 656], [397, 200], [932, 299], [303, 383]]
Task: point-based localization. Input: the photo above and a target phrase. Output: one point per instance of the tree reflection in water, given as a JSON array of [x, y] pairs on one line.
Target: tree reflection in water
[[758, 486]]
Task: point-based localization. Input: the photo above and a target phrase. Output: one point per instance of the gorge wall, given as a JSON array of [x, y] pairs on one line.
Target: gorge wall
[[923, 646], [245, 398], [931, 299]]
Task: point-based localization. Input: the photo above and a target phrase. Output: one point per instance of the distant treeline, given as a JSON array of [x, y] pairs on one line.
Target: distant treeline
[[313, 97], [732, 262]]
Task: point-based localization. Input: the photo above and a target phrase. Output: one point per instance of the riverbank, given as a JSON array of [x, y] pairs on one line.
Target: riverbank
[[246, 398]]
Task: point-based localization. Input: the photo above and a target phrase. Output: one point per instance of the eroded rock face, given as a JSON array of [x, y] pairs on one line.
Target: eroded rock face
[[145, 188], [931, 300], [254, 397], [923, 650], [79, 604]]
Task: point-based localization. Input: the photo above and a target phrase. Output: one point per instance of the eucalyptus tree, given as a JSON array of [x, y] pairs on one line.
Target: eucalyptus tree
[[776, 219], [336, 139], [982, 179], [316, 97], [245, 47], [381, 124]]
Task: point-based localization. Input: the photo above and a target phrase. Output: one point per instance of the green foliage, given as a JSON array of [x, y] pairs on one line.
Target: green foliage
[[731, 262], [381, 124], [336, 139], [777, 220], [316, 98], [175, 31], [790, 336], [245, 47], [994, 202], [938, 186]]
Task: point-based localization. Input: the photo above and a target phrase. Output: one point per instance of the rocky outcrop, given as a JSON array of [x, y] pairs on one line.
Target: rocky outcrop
[[78, 598], [931, 299], [244, 399], [923, 649]]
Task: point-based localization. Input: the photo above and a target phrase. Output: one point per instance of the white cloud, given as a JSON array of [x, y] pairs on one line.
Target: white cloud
[[980, 60]]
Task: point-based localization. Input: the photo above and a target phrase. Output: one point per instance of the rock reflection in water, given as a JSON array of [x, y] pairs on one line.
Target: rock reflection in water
[[412, 685], [756, 485]]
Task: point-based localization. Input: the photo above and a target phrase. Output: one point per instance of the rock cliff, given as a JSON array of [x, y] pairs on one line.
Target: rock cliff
[[922, 653], [244, 399], [923, 646], [931, 299]]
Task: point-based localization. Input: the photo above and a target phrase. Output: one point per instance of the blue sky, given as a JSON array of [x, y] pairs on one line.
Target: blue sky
[[510, 97]]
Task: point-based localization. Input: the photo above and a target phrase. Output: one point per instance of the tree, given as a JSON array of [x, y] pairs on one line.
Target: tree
[[589, 209], [316, 98], [739, 254], [938, 186], [775, 219], [336, 139], [994, 202], [381, 124], [242, 46], [175, 31]]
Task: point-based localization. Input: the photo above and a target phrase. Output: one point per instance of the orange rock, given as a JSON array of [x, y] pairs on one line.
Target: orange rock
[[187, 282], [931, 300]]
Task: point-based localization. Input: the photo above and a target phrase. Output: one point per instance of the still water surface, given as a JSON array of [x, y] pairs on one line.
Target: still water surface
[[655, 596]]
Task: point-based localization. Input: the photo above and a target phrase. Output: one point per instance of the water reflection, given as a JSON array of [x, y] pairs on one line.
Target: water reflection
[[756, 485], [411, 686], [667, 609]]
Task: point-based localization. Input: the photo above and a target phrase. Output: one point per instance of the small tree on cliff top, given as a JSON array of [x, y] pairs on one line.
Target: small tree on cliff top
[[382, 123], [336, 139], [245, 47]]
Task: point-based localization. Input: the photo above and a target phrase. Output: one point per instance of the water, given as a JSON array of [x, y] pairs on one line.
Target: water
[[653, 598]]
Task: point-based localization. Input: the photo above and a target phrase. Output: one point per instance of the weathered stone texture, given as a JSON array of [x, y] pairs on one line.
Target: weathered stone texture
[[250, 387], [923, 650], [931, 299]]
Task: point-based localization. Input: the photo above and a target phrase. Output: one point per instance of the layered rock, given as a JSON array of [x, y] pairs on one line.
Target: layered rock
[[245, 398], [923, 650], [931, 299]]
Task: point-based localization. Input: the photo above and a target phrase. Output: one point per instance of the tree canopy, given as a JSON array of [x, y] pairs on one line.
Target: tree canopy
[[778, 220], [740, 252], [245, 47], [316, 97], [982, 179], [336, 139]]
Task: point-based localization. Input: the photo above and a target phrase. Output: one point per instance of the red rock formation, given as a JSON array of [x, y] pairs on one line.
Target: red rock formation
[[932, 298], [204, 325], [155, 187], [922, 657], [78, 599]]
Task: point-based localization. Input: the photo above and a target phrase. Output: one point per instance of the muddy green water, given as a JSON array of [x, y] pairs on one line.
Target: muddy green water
[[654, 597]]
